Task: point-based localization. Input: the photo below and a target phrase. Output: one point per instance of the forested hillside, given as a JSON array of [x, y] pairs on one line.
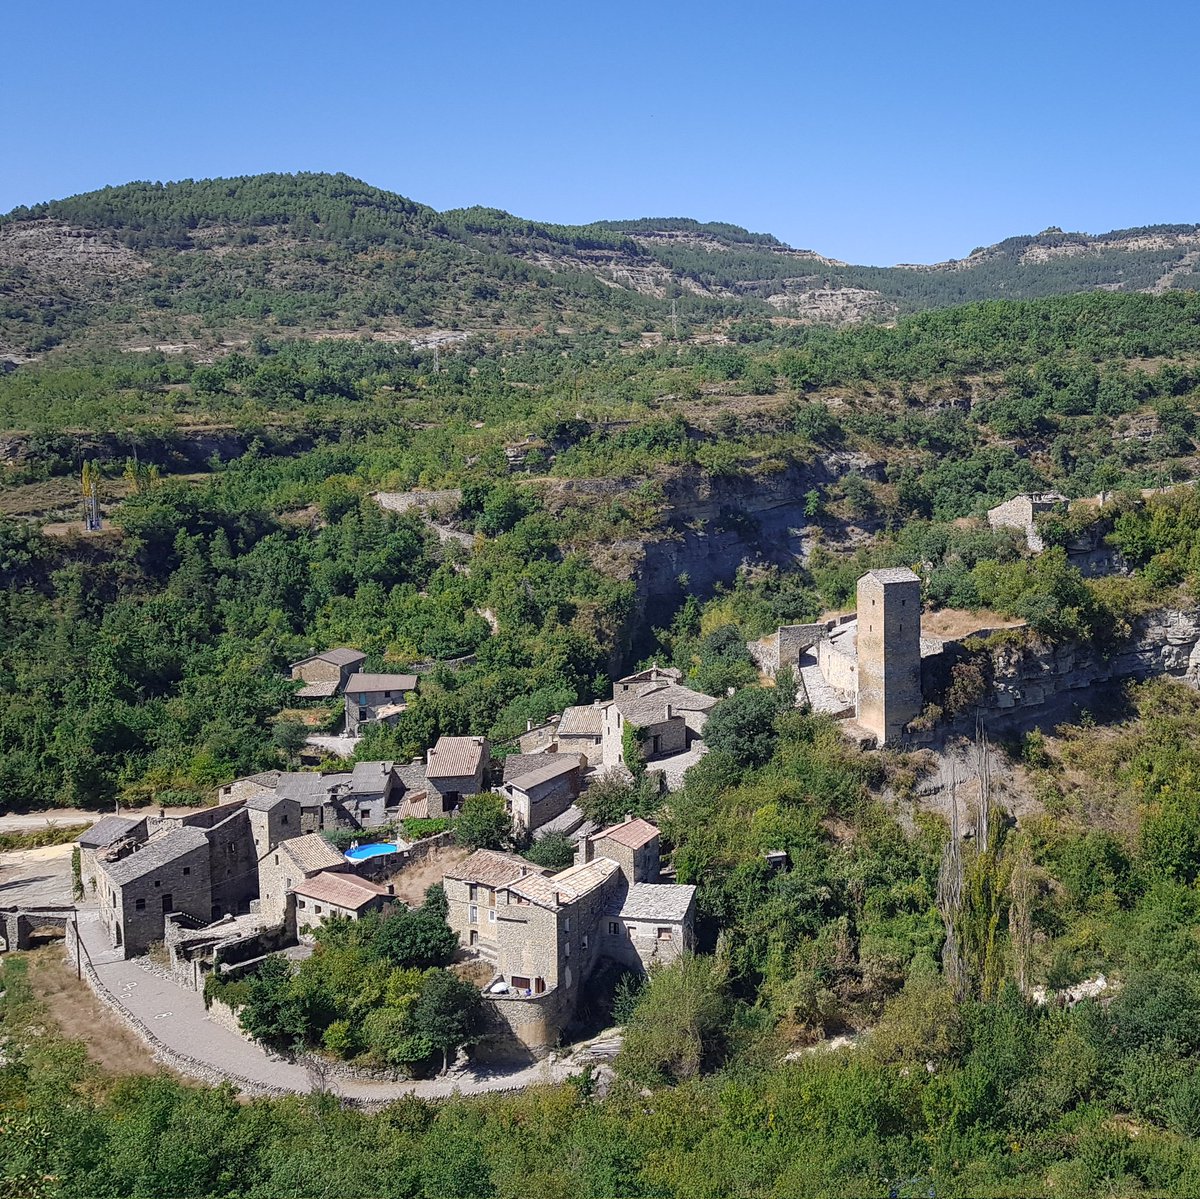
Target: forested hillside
[[205, 263], [634, 456]]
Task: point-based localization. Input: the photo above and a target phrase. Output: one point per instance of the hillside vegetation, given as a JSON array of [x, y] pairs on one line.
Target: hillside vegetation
[[612, 490], [200, 263]]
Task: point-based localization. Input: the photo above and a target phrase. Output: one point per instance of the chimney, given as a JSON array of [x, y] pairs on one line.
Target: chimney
[[628, 817], [668, 711]]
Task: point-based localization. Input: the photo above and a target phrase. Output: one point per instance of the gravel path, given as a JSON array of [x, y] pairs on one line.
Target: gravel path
[[180, 1021]]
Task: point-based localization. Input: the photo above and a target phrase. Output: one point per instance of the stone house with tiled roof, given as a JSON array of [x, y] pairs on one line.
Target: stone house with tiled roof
[[536, 795], [289, 863], [103, 835], [546, 934], [329, 894], [455, 768], [372, 698], [668, 714], [325, 674]]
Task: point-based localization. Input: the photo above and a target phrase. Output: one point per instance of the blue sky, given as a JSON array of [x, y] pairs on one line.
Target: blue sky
[[872, 132]]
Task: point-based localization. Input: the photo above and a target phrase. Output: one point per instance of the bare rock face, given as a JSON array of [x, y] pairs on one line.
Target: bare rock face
[[833, 305], [66, 256], [1034, 681]]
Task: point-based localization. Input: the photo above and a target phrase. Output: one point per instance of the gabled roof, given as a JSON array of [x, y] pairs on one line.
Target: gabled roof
[[554, 766], [492, 869], [583, 720], [414, 806], [308, 787], [455, 757], [155, 854], [381, 682], [311, 853], [655, 901], [109, 830], [344, 890], [633, 834], [566, 887], [367, 777], [647, 703], [653, 674], [339, 656]]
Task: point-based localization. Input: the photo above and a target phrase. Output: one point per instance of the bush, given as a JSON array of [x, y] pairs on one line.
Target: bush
[[483, 823], [554, 851]]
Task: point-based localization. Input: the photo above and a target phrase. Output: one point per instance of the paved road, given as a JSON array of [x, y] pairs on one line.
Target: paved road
[[179, 1019]]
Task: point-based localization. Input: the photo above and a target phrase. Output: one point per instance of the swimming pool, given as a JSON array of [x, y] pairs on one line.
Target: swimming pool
[[370, 851]]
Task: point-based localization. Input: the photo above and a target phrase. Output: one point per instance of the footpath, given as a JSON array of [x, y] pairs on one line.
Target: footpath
[[177, 1026]]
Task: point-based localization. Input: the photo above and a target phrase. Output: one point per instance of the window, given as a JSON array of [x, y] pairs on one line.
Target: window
[[520, 983], [614, 928], [474, 914], [301, 904], [631, 929], [139, 905], [317, 908], [187, 870], [166, 902], [362, 713], [566, 949], [285, 819], [665, 934], [474, 937], [157, 883], [474, 891], [491, 915], [583, 941], [276, 859], [566, 924]]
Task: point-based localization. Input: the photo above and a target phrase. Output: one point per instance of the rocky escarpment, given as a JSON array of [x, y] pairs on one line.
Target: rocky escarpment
[[1034, 682], [717, 525]]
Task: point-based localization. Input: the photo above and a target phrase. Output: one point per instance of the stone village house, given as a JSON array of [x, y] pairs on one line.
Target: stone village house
[[546, 935], [456, 767], [324, 675], [376, 697]]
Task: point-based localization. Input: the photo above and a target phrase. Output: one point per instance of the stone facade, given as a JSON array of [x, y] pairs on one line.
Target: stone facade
[[1021, 513], [135, 894], [889, 652], [376, 697], [456, 767], [537, 796], [325, 674]]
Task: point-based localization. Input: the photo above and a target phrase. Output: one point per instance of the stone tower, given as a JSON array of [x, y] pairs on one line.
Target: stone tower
[[889, 651]]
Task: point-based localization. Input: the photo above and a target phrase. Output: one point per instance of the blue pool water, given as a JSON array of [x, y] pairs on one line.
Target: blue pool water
[[370, 851]]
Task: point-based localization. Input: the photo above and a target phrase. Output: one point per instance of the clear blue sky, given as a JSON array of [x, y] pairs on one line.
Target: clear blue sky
[[873, 132]]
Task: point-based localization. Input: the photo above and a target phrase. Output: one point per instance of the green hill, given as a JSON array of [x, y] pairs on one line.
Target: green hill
[[212, 262]]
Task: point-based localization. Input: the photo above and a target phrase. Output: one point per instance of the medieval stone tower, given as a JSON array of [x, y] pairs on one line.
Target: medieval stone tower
[[889, 651]]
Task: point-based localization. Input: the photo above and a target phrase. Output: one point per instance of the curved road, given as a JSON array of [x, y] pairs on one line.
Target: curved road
[[180, 1021]]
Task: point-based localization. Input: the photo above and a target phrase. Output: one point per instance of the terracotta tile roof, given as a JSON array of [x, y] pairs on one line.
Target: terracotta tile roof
[[455, 757], [312, 853], [343, 890], [321, 690], [491, 868], [414, 806], [567, 886], [633, 834]]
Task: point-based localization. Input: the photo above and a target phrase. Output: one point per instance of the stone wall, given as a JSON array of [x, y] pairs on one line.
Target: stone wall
[[516, 1028]]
